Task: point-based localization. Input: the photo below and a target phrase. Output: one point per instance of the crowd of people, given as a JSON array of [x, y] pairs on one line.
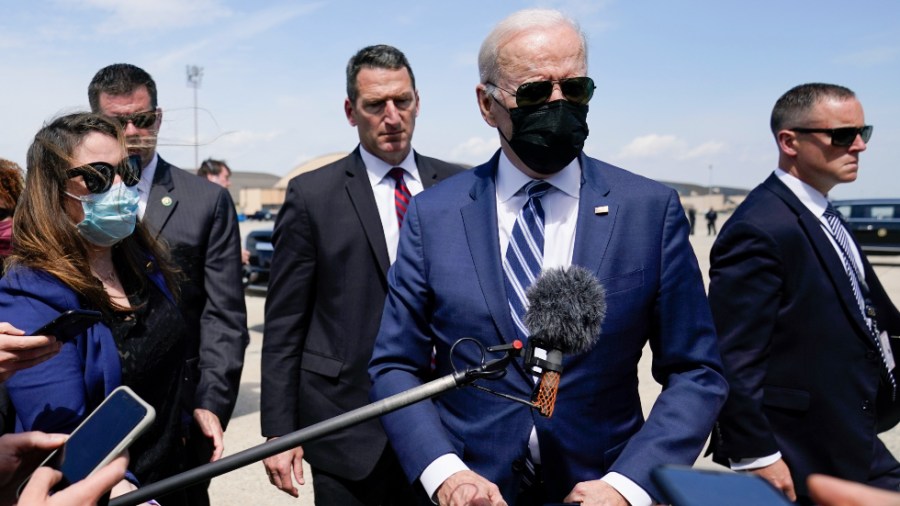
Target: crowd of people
[[384, 259]]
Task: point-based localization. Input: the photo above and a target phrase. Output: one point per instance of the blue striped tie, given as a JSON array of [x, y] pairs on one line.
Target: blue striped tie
[[841, 237], [525, 253]]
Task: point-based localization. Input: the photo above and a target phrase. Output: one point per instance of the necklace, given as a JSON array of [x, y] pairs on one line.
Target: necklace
[[107, 277]]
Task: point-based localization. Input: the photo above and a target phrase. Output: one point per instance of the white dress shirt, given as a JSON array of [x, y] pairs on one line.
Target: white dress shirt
[[146, 182], [383, 187], [560, 206]]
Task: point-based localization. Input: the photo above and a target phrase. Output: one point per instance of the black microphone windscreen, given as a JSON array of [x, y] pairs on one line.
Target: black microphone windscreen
[[566, 309]]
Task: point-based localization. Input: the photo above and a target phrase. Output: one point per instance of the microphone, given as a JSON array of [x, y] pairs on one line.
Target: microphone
[[565, 310]]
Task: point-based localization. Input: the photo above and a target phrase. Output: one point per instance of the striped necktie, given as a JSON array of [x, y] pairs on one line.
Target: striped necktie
[[525, 253], [402, 195], [842, 238]]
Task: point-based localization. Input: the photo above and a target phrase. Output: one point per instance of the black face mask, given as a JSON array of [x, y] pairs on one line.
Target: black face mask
[[547, 137]]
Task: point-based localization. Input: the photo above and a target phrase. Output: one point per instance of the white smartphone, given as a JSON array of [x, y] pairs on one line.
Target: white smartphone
[[101, 437]]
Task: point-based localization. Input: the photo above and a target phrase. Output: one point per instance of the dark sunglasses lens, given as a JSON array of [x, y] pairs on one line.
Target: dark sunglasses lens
[[578, 90], [144, 119], [5, 213], [98, 177], [866, 133], [130, 170], [533, 93]]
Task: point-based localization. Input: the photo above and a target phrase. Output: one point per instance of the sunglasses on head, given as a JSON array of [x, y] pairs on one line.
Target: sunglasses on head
[[577, 90], [99, 176], [144, 119], [843, 137]]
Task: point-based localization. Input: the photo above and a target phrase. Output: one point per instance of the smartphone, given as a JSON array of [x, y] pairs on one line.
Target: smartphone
[[686, 486], [68, 324], [101, 437]]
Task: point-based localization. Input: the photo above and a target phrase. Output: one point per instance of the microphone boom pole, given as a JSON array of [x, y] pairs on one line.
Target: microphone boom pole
[[297, 438]]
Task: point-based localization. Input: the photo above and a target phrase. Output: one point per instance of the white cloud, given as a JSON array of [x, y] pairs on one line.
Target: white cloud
[[670, 146], [154, 15], [474, 150]]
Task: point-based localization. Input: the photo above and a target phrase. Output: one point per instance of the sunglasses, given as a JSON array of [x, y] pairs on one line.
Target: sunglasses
[[141, 120], [577, 90], [6, 213], [843, 137], [99, 176]]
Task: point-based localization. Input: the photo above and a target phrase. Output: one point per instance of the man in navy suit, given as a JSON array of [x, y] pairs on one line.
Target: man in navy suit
[[198, 222], [468, 447], [802, 353], [335, 238]]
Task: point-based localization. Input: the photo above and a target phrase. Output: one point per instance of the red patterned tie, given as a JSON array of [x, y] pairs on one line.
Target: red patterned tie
[[401, 194]]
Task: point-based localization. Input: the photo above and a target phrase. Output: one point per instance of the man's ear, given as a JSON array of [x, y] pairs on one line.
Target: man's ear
[[348, 110], [485, 102], [787, 142]]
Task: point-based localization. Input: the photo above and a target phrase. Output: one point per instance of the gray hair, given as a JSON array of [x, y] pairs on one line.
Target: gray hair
[[792, 109], [517, 22]]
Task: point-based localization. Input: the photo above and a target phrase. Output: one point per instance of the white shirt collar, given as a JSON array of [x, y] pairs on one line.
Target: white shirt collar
[[377, 169], [809, 196], [510, 179]]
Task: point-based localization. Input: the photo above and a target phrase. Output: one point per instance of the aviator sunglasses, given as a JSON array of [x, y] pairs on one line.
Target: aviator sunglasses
[[577, 90], [99, 176], [841, 137], [141, 120]]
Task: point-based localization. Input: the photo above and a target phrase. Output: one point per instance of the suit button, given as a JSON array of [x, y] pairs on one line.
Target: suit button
[[866, 405]]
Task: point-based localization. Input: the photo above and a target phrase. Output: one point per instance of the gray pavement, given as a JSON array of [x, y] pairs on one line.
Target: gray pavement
[[249, 485]]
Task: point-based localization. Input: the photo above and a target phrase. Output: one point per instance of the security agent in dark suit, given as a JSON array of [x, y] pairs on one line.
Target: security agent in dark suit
[[197, 220], [803, 362], [334, 239]]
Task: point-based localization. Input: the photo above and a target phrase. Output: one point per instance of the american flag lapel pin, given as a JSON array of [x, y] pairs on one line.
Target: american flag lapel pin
[[601, 210]]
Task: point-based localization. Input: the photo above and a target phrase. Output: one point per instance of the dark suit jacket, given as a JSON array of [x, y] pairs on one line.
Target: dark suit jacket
[[197, 220], [326, 292], [447, 283], [803, 370]]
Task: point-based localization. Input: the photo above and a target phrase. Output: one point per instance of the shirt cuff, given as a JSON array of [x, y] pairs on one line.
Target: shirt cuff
[[438, 471], [631, 491], [754, 462]]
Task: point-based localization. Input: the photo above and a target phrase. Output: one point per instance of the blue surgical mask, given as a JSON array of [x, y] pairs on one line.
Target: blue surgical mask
[[110, 216]]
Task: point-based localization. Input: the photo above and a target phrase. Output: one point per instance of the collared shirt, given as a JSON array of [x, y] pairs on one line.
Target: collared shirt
[[383, 187], [560, 206], [146, 182]]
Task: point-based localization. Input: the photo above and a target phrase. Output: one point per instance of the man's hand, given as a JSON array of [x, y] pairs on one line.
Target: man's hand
[[18, 351], [595, 493], [828, 491], [779, 476], [86, 491], [466, 488], [282, 466], [211, 427]]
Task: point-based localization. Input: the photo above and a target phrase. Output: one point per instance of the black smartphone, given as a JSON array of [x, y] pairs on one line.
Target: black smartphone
[[68, 324], [101, 437], [686, 486]]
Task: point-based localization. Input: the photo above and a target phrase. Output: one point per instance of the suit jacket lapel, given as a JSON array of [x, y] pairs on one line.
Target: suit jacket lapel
[[427, 174], [484, 244], [831, 261], [363, 199], [596, 216], [161, 202]]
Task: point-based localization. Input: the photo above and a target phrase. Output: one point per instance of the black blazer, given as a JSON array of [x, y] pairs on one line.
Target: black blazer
[[197, 220], [805, 374], [326, 291]]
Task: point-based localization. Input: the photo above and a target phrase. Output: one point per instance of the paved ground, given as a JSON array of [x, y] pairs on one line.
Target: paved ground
[[249, 485]]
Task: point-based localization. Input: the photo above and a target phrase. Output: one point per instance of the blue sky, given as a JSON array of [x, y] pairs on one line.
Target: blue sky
[[682, 86]]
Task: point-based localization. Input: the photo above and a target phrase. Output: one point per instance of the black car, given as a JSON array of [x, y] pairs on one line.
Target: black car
[[256, 274], [874, 222]]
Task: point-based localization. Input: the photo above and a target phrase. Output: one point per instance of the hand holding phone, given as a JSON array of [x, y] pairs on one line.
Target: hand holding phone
[[102, 436], [685, 486]]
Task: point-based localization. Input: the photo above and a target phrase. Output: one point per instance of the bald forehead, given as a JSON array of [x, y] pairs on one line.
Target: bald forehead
[[551, 52]]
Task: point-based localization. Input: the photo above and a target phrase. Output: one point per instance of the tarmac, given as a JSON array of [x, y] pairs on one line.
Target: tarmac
[[249, 485]]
